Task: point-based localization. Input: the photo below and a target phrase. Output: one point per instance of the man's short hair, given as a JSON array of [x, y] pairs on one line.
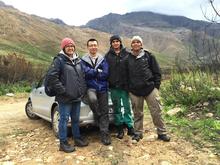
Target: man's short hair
[[91, 39]]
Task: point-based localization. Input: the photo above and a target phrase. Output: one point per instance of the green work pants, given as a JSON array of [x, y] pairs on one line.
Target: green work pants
[[122, 108]]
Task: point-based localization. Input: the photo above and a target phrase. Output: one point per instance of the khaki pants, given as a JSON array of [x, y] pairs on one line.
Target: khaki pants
[[153, 102]]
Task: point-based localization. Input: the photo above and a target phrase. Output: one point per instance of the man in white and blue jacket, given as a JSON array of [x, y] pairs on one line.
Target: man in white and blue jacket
[[96, 72]]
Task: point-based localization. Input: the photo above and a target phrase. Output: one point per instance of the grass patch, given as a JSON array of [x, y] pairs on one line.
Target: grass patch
[[201, 132], [197, 94], [164, 60], [29, 51], [22, 87], [190, 88], [18, 131]]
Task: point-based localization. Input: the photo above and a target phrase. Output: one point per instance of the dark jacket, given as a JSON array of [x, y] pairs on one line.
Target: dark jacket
[[68, 79], [96, 76], [118, 75], [144, 73]]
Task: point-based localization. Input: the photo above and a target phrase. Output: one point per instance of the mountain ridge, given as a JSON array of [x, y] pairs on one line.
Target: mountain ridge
[[169, 35], [151, 19], [38, 38]]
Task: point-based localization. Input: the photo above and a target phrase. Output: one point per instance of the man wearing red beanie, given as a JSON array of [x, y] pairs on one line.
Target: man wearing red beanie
[[68, 80]]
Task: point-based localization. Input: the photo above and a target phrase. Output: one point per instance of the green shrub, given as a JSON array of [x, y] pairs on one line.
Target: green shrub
[[198, 131], [14, 88], [217, 109], [189, 88], [189, 91]]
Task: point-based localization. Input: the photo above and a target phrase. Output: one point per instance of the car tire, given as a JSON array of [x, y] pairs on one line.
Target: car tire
[[55, 121], [29, 111]]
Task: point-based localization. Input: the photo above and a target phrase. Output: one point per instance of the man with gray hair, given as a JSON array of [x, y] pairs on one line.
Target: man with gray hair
[[144, 82]]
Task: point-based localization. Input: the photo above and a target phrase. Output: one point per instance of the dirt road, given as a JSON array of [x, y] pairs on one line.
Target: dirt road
[[24, 141]]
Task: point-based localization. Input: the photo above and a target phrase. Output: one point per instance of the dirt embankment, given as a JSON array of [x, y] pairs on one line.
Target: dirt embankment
[[24, 141]]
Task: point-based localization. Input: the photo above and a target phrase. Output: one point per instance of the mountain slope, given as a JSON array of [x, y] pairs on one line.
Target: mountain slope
[[169, 35], [37, 38]]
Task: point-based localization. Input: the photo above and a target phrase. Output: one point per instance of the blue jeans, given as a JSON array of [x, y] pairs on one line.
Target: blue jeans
[[66, 110]]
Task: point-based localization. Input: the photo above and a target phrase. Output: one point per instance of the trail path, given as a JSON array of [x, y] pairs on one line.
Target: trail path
[[25, 141]]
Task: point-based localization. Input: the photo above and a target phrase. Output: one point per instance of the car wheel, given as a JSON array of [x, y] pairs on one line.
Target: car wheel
[[29, 111], [55, 121]]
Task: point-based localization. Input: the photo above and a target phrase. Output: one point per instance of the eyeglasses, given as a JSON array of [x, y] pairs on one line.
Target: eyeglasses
[[69, 46]]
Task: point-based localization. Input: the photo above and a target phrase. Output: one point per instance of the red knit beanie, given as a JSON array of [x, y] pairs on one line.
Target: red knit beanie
[[66, 41]]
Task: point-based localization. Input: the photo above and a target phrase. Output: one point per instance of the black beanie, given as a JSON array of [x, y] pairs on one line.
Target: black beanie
[[115, 37]]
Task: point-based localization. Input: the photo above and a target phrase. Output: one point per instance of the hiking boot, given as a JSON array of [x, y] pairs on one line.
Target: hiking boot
[[131, 131], [164, 137], [140, 134], [137, 136], [66, 147], [105, 139], [81, 142], [120, 134]]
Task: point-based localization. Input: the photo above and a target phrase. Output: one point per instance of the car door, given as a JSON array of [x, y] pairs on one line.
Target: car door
[[41, 102]]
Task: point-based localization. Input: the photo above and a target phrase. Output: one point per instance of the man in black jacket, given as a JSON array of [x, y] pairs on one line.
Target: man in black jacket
[[118, 83], [144, 82], [68, 80]]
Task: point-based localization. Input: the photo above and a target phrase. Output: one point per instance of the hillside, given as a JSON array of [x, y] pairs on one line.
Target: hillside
[[37, 38], [168, 35]]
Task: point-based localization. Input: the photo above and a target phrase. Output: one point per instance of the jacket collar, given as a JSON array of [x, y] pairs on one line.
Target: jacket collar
[[112, 51], [87, 59], [75, 60], [141, 53], [75, 55]]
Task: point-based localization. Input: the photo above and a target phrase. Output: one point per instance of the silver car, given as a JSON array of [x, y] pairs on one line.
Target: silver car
[[39, 105]]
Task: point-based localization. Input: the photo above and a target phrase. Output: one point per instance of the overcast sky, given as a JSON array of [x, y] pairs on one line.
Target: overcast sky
[[79, 12]]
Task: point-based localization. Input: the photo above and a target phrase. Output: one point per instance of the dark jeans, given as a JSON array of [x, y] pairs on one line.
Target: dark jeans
[[98, 102], [66, 110]]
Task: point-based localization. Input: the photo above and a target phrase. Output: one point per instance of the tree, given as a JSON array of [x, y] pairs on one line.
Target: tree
[[211, 12], [204, 50]]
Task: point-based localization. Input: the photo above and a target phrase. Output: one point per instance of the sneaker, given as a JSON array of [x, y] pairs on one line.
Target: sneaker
[[164, 137], [64, 146], [105, 139], [81, 142]]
